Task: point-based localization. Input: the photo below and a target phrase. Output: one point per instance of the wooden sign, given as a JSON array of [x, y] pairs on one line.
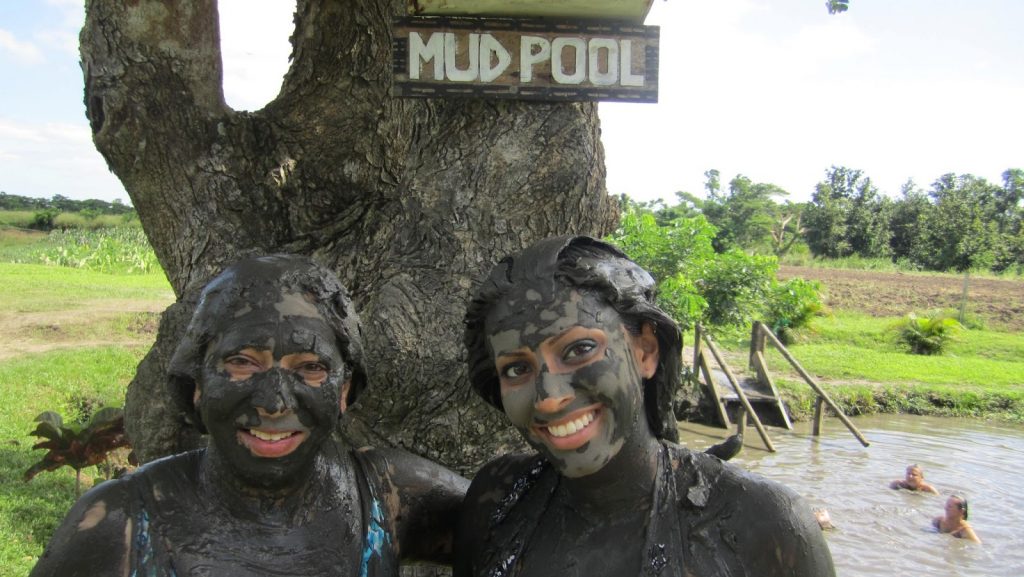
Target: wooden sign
[[531, 59]]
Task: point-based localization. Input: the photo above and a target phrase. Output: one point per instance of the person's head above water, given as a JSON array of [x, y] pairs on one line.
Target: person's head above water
[[955, 505], [547, 324], [914, 475], [270, 359]]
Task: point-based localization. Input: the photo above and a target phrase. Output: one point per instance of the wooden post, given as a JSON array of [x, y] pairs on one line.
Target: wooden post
[[700, 363], [739, 393], [819, 416], [817, 388], [756, 342], [741, 421]]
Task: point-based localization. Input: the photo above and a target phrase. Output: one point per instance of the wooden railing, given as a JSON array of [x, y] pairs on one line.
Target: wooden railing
[[760, 335]]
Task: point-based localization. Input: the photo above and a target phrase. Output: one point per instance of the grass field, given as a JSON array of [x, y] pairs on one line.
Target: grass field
[[73, 335]]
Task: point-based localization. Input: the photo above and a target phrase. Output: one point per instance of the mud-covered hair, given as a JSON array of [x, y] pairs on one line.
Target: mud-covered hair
[[235, 289], [594, 267]]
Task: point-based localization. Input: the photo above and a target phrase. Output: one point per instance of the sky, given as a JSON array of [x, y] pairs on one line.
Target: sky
[[775, 90]]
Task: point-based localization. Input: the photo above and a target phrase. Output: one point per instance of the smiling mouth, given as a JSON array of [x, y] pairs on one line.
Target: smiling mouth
[[572, 431], [271, 444], [573, 426]]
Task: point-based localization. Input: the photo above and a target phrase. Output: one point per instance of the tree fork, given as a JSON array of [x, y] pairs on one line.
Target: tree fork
[[410, 201]]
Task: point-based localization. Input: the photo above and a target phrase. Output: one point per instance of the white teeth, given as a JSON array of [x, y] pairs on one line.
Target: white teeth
[[267, 436], [571, 427]]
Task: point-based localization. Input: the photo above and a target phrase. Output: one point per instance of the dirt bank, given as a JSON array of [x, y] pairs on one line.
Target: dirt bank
[[999, 302]]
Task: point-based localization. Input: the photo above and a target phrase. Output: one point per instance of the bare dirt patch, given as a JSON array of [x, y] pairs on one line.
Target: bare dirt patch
[[999, 302], [102, 323]]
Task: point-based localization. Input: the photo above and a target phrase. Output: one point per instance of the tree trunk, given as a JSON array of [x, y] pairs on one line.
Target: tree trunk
[[410, 201]]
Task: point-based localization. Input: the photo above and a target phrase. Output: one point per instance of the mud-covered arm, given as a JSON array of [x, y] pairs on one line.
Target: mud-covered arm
[[423, 501], [94, 539], [784, 536], [490, 486]]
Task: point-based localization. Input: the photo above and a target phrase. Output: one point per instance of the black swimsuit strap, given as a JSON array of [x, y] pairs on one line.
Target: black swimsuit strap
[[508, 534]]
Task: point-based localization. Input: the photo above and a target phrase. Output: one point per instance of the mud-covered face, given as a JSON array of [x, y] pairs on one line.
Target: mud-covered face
[[571, 376], [272, 390]]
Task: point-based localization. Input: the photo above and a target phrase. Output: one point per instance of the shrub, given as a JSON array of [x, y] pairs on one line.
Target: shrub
[[792, 305], [43, 219], [694, 282], [735, 286], [926, 335]]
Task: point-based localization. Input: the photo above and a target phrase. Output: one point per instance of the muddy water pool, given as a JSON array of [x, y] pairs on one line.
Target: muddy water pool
[[881, 531]]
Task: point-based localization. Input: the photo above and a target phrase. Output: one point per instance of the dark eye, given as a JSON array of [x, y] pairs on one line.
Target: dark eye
[[516, 370], [578, 350], [241, 362], [312, 371]]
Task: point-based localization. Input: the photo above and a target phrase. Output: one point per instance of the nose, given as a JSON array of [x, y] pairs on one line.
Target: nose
[[273, 396], [554, 392]]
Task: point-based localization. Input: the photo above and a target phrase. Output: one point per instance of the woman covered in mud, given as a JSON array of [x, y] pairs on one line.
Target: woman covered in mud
[[270, 361], [565, 338]]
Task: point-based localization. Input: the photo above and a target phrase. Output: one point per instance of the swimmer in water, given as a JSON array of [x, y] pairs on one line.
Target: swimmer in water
[[824, 520], [954, 521], [914, 481]]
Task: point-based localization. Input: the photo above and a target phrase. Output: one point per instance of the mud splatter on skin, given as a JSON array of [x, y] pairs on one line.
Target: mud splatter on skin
[[542, 333], [267, 363], [273, 398], [654, 508]]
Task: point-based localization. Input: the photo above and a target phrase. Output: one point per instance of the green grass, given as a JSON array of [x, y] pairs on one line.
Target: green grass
[[120, 249], [805, 259], [35, 287], [23, 219], [980, 375], [68, 382]]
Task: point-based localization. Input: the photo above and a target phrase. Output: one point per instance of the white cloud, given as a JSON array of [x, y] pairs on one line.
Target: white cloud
[[42, 160], [25, 52]]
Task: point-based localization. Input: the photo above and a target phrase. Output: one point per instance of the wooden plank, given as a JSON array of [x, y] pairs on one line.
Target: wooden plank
[[739, 392], [764, 377], [629, 10], [524, 59], [817, 388]]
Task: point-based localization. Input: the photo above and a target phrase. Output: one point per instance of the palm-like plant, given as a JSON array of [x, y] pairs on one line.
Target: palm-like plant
[[78, 445], [927, 335]]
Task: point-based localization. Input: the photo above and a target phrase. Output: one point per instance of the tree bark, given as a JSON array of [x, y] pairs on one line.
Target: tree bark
[[409, 201]]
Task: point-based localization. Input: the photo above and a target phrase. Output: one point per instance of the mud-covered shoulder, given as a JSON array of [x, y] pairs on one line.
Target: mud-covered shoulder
[[94, 538], [422, 500], [771, 525], [497, 486]]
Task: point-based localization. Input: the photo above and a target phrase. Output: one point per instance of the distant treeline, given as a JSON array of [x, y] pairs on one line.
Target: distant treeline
[[959, 223], [62, 204]]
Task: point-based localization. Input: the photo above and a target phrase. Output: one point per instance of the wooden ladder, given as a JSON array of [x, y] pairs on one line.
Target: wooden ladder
[[763, 387]]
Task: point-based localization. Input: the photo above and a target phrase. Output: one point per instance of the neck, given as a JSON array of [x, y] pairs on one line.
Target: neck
[[624, 484], [287, 503]]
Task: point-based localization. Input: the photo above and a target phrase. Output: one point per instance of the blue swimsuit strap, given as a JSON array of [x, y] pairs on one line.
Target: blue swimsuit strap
[[378, 543]]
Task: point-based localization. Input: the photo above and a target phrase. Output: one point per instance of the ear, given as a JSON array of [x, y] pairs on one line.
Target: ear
[[645, 350], [343, 397]]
